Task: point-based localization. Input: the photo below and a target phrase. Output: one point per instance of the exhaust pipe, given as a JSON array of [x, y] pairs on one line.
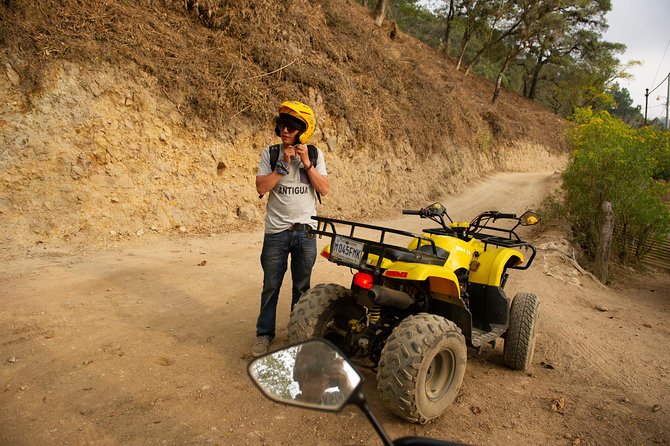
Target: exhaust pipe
[[393, 298]]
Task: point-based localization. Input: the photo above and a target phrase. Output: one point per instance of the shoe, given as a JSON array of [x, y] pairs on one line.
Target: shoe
[[260, 346]]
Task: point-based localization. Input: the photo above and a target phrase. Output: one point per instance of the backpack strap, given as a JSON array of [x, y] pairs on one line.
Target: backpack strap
[[274, 156], [313, 154]]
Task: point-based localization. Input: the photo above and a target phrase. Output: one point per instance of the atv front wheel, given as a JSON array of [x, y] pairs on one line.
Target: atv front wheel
[[324, 312], [421, 367], [520, 338]]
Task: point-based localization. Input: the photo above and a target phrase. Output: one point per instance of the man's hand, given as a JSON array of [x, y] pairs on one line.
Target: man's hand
[[290, 152], [302, 151]]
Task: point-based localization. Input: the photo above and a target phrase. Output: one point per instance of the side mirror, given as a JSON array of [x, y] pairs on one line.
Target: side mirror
[[437, 209], [529, 218], [314, 374]]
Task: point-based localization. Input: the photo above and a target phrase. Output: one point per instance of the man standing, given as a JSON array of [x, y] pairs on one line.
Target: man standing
[[294, 173]]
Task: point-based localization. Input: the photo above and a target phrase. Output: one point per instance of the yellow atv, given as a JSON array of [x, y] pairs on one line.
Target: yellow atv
[[412, 311]]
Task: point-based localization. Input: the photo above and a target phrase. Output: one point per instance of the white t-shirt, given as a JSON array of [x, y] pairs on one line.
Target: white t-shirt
[[293, 199]]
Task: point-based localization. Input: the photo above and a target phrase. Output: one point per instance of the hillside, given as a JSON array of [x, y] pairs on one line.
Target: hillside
[[120, 119]]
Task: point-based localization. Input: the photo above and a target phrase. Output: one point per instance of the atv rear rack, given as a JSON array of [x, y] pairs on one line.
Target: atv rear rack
[[326, 227]]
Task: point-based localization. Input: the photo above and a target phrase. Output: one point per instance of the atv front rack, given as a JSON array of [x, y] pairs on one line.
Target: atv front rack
[[508, 243], [511, 240], [326, 227]]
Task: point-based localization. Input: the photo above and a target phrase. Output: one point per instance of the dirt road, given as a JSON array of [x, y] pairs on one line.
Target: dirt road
[[147, 341]]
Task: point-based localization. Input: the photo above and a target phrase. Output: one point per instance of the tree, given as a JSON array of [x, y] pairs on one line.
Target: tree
[[501, 21], [471, 10], [449, 16], [555, 31], [380, 11], [624, 108]]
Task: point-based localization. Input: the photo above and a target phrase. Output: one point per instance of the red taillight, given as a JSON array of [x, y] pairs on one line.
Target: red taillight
[[325, 252], [363, 280], [401, 274]]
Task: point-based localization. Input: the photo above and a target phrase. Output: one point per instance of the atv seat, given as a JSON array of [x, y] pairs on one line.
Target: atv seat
[[429, 250], [422, 255]]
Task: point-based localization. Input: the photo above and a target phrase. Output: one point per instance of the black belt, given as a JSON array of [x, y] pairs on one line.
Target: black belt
[[299, 227]]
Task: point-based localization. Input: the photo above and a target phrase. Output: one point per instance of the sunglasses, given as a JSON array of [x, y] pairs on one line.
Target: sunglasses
[[288, 125]]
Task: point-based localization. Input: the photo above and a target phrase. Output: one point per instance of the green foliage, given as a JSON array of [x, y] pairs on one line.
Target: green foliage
[[624, 108], [659, 140], [612, 162], [556, 49]]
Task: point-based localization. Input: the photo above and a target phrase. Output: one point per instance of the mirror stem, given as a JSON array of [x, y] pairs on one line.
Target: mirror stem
[[363, 405]]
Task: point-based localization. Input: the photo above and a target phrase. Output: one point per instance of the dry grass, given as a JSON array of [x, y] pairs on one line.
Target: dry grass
[[232, 62]]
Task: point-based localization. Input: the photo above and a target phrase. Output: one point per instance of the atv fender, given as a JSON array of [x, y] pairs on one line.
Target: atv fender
[[492, 264], [442, 281]]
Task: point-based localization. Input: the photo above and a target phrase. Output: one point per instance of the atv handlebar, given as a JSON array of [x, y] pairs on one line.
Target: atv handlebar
[[411, 212], [496, 214]]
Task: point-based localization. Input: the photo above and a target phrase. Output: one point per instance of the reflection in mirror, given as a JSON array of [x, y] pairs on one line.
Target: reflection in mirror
[[312, 374], [529, 218], [437, 208]]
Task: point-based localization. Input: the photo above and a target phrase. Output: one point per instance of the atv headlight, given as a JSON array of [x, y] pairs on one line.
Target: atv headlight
[[529, 218]]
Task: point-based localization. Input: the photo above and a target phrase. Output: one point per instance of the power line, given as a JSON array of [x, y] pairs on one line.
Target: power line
[[661, 63], [662, 82]]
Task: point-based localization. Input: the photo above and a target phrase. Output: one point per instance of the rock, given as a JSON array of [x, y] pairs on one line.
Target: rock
[[13, 359], [601, 308], [247, 213], [656, 408], [558, 405], [95, 89], [12, 75], [102, 180], [331, 143], [125, 181]]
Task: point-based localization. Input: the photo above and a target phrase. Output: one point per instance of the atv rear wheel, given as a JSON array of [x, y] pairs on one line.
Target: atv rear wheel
[[520, 338], [422, 366], [324, 312]]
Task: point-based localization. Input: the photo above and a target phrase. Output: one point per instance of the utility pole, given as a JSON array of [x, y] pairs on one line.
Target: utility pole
[[667, 101], [646, 104]]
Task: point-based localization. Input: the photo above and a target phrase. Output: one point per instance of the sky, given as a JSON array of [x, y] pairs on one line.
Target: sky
[[643, 26]]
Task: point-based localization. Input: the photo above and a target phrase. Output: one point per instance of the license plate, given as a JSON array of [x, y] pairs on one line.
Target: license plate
[[347, 251]]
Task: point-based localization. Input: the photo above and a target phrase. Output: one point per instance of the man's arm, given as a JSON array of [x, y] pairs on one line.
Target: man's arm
[[265, 183], [319, 182]]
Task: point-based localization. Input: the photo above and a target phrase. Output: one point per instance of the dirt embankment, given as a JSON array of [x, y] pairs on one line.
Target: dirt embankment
[[120, 119]]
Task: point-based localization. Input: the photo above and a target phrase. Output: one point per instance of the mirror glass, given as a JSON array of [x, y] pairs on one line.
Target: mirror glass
[[312, 374], [529, 218], [437, 208]]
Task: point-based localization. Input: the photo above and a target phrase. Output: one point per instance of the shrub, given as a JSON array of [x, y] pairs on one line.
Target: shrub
[[612, 162]]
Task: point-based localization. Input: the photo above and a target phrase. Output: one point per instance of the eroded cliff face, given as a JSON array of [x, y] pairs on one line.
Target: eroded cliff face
[[101, 151], [100, 139]]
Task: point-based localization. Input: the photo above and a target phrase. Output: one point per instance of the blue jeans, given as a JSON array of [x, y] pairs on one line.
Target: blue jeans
[[274, 260]]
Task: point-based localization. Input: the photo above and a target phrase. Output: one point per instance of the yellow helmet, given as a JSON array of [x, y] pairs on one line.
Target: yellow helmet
[[304, 114]]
